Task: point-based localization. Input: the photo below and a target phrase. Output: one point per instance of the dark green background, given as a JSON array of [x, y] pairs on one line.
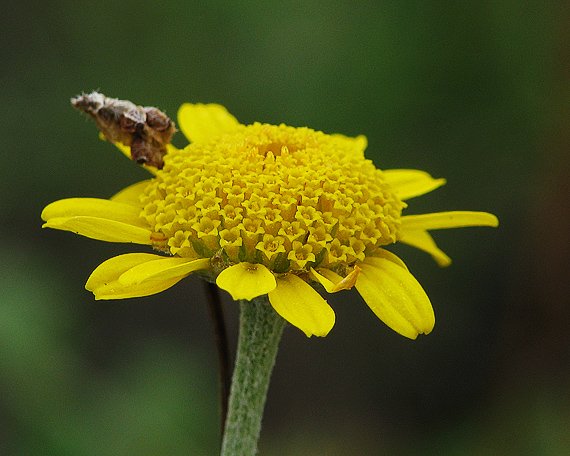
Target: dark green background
[[473, 91]]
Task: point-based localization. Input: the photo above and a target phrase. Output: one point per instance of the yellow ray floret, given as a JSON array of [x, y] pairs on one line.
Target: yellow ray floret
[[132, 194], [395, 296], [162, 268], [453, 219], [198, 122], [104, 280], [332, 282], [100, 219], [411, 182], [299, 304], [421, 239], [246, 281]]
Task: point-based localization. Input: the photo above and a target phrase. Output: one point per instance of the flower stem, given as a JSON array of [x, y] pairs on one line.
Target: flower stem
[[259, 334]]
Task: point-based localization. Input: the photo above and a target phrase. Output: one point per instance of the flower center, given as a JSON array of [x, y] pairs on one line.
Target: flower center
[[289, 198]]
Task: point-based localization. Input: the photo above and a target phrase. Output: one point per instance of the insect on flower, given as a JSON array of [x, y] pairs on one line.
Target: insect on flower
[[146, 130]]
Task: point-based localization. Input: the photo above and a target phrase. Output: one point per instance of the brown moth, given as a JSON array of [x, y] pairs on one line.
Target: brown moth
[[146, 130]]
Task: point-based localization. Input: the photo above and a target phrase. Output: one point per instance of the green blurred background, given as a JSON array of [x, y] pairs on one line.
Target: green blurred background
[[476, 92]]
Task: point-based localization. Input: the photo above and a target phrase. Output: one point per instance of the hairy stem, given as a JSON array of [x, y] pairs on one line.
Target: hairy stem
[[259, 334]]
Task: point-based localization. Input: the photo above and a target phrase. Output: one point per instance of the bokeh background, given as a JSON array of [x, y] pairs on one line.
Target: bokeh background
[[476, 92]]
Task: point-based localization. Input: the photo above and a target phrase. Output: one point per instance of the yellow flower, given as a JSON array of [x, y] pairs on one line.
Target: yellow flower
[[265, 209]]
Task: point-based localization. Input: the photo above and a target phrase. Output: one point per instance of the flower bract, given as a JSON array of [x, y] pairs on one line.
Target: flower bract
[[269, 210]]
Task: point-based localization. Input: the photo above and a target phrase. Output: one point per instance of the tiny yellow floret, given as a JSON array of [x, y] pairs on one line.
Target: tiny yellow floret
[[288, 198]]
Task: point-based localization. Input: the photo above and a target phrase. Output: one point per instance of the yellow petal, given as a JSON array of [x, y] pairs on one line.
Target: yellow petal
[[131, 195], [359, 143], [93, 207], [454, 219], [104, 281], [162, 269], [408, 183], [395, 296], [101, 229], [421, 239], [332, 282], [100, 219], [246, 281], [326, 278], [299, 304], [198, 121], [382, 253]]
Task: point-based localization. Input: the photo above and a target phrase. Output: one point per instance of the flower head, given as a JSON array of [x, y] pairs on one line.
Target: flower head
[[268, 209]]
